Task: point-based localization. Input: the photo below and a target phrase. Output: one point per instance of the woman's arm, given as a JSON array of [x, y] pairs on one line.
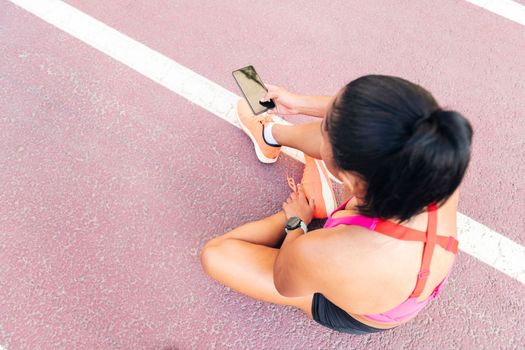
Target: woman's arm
[[315, 106], [292, 270], [292, 274], [287, 103]]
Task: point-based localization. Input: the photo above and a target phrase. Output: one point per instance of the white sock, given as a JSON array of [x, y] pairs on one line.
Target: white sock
[[268, 137]]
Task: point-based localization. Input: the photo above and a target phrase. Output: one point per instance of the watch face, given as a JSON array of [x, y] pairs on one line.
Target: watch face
[[293, 223]]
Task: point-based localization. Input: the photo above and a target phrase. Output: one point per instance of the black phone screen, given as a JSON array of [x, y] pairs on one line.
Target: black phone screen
[[252, 88]]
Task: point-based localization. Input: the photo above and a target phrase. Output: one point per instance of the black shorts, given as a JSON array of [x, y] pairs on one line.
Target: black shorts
[[330, 315]]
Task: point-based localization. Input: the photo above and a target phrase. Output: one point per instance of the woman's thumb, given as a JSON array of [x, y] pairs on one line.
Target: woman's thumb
[[312, 203], [269, 95]]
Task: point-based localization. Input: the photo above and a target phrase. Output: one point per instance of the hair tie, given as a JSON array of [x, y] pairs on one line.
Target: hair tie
[[427, 118]]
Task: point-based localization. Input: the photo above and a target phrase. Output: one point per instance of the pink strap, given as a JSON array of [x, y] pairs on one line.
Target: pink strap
[[428, 250]]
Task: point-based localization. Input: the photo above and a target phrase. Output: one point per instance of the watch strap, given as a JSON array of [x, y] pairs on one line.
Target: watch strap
[[302, 226]]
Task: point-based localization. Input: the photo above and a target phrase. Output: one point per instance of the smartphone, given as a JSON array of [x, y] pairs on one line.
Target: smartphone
[[253, 89]]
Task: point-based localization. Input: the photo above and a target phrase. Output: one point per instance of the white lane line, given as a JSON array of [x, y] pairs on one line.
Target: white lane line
[[477, 240], [505, 8], [491, 247], [150, 63]]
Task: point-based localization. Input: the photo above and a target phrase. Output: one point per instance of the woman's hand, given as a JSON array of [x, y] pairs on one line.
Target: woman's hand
[[298, 205], [286, 103]]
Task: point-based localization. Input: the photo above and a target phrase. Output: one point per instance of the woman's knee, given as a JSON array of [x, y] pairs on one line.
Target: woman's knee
[[209, 254], [213, 253]]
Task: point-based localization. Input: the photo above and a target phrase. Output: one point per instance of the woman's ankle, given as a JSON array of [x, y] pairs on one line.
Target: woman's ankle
[[280, 132], [268, 135]]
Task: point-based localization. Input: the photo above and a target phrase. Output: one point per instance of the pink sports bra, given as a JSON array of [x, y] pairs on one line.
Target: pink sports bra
[[411, 306]]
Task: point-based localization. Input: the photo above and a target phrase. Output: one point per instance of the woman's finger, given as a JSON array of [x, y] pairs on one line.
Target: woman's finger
[[271, 94]]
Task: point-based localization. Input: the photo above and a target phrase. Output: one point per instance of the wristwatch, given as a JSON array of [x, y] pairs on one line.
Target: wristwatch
[[294, 223]]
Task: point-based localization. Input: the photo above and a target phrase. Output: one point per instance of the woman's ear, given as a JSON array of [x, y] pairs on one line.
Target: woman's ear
[[353, 183]]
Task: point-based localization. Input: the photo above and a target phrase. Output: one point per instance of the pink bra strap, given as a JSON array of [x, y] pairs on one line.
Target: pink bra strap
[[428, 250]]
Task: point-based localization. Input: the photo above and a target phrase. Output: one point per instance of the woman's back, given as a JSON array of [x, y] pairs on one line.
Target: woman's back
[[379, 272]]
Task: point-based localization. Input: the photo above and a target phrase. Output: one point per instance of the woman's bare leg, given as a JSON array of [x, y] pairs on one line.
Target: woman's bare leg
[[243, 260], [268, 231], [306, 138]]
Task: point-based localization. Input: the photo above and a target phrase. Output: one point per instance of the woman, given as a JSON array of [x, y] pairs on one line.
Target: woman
[[384, 254]]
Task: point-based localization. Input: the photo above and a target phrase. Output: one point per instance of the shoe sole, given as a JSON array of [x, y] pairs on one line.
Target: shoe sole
[[258, 150], [326, 188]]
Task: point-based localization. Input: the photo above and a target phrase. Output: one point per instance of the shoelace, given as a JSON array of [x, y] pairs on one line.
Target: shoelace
[[291, 183]]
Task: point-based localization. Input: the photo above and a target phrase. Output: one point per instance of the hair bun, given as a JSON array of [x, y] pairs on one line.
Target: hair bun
[[435, 113], [429, 120]]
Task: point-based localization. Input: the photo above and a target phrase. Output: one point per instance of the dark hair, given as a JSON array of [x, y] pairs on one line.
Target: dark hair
[[409, 151]]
